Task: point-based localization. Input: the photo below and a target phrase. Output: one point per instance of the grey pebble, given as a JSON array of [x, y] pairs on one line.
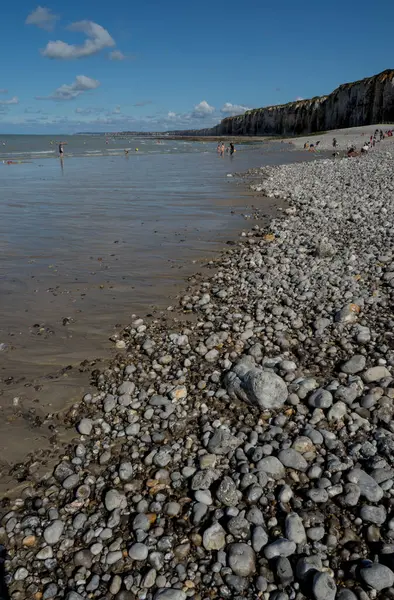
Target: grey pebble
[[318, 495], [315, 533], [345, 594], [295, 530], [21, 574], [50, 592], [320, 399], [307, 564], [116, 584], [373, 514], [272, 467], [169, 594], [241, 559], [113, 557], [378, 577], [239, 527], [280, 547], [265, 389], [142, 522], [292, 459], [203, 480], [259, 538], [114, 499], [354, 365], [214, 538], [375, 374], [45, 553], [227, 492], [71, 482], [368, 486], [324, 587], [172, 509], [138, 551], [125, 471], [149, 579], [204, 496], [53, 532], [222, 442], [85, 426], [284, 570]]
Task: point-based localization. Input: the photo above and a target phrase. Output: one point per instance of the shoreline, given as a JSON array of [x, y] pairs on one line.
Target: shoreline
[[69, 316], [74, 381], [242, 439]]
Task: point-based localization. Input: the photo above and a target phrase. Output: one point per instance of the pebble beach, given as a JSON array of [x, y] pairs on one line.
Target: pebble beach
[[244, 446]]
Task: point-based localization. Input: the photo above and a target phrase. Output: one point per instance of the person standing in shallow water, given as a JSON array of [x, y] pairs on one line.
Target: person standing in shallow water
[[222, 149], [232, 149], [61, 148]]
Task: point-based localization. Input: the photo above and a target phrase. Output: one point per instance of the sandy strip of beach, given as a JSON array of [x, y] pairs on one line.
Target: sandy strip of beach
[[248, 451]]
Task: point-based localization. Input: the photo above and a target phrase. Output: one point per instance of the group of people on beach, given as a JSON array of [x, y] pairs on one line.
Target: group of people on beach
[[377, 137], [374, 139], [312, 147], [221, 149]]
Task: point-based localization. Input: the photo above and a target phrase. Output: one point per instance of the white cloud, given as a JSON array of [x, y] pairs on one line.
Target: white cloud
[[191, 119], [43, 18], [202, 110], [143, 103], [299, 98], [98, 38], [73, 90], [90, 110], [33, 111], [116, 110], [117, 55], [233, 109], [13, 100]]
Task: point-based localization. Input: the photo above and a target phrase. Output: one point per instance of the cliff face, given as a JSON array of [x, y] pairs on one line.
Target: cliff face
[[355, 104]]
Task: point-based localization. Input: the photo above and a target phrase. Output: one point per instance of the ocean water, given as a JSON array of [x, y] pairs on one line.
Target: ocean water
[[29, 147], [89, 240]]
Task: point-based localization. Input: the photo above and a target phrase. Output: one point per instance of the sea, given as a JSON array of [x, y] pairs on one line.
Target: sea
[[90, 240]]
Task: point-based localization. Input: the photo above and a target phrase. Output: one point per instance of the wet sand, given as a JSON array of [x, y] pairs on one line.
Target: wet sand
[[85, 252]]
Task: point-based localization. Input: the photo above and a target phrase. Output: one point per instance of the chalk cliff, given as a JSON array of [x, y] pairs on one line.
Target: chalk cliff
[[363, 102]]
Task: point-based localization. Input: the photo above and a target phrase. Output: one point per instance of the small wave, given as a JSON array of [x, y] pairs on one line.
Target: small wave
[[27, 153], [40, 152]]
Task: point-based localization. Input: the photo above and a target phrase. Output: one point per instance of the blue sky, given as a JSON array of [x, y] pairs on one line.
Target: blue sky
[[98, 66]]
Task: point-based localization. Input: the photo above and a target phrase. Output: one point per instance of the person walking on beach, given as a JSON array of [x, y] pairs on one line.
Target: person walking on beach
[[61, 149], [334, 143]]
